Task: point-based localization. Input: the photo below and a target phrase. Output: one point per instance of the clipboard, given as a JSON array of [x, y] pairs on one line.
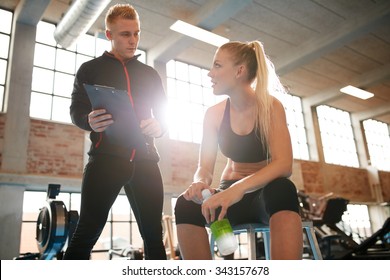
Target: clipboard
[[125, 130]]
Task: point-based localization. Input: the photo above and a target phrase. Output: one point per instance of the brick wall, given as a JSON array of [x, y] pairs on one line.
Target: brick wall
[[55, 149], [184, 160], [384, 179], [348, 182]]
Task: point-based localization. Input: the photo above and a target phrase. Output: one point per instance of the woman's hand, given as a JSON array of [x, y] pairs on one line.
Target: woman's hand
[[222, 200], [194, 192], [99, 120]]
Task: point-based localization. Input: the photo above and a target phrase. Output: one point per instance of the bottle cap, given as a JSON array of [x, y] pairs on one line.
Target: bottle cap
[[206, 194]]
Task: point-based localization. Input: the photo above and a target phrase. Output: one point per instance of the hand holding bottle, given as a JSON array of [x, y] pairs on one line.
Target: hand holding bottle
[[194, 192], [221, 230]]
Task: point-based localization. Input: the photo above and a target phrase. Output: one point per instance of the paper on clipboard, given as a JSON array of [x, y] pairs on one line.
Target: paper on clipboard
[[125, 130]]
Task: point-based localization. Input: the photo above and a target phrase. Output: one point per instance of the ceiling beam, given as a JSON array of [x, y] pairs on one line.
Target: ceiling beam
[[30, 12], [372, 113], [208, 17], [373, 77], [325, 43]]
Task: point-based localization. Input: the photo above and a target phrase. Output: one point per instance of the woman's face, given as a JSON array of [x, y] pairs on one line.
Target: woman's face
[[124, 35], [223, 73]]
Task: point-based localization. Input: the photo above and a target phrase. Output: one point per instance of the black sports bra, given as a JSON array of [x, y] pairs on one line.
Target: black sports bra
[[239, 148]]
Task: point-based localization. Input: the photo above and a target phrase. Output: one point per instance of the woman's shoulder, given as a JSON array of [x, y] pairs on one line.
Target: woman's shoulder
[[276, 103], [217, 109], [278, 111], [214, 114]]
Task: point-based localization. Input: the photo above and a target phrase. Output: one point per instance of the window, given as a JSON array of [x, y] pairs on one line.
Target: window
[[5, 36], [378, 143], [356, 222], [54, 71], [189, 95], [337, 136], [296, 124]]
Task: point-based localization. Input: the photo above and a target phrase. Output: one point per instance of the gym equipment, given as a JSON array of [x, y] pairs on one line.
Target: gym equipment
[[54, 225], [377, 246], [129, 253], [333, 241]]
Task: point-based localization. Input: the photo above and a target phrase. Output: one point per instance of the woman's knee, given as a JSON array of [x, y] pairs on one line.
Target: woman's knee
[[188, 212], [180, 204], [281, 194]]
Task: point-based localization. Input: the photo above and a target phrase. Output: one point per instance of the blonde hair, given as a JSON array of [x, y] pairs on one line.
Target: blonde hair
[[261, 73], [125, 11]]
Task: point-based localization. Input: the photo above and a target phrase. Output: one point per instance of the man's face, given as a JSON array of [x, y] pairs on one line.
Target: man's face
[[124, 35]]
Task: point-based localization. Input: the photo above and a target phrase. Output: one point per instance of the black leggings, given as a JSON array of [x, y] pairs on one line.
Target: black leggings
[[254, 207], [104, 176]]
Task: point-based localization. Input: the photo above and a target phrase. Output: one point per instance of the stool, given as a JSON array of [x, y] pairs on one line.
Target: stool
[[251, 230]]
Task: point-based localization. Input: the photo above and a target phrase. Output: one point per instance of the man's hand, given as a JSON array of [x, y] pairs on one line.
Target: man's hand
[[151, 127], [99, 120]]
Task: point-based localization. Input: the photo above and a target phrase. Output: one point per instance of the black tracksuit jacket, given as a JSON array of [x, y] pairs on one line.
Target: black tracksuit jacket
[[143, 85]]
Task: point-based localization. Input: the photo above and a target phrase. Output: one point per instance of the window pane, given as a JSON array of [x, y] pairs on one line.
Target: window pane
[[197, 132], [86, 45], [296, 125], [42, 80], [183, 91], [6, 21], [32, 203], [80, 59], [378, 143], [3, 71], [337, 136], [196, 113], [121, 208], [208, 97], [44, 56], [1, 97], [5, 27], [181, 71], [196, 94], [195, 75], [206, 80], [171, 88], [63, 84], [45, 33], [75, 200], [66, 61], [102, 45], [4, 46], [356, 222], [171, 69], [61, 109], [40, 106]]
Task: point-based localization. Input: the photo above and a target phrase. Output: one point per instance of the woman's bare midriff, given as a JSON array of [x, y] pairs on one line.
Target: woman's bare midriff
[[239, 170]]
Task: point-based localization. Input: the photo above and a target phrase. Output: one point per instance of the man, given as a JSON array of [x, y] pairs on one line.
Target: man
[[112, 166]]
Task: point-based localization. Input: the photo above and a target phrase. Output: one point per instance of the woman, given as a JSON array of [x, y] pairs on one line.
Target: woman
[[251, 130]]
